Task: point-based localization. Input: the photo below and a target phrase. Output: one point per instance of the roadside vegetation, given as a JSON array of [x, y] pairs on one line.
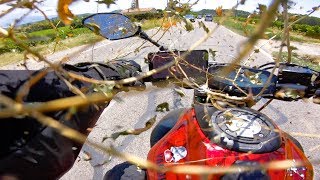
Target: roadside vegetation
[[310, 61], [299, 32], [42, 37], [46, 42], [306, 30]]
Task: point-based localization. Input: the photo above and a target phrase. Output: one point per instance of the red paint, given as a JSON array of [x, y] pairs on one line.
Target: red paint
[[201, 151]]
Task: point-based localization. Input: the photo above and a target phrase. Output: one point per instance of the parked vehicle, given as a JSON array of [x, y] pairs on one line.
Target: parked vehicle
[[190, 17], [227, 137], [208, 17]]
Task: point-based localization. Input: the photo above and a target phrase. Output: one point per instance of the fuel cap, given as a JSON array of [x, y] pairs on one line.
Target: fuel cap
[[245, 130]]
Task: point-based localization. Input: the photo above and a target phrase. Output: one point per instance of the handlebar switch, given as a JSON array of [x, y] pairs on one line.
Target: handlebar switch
[[296, 82], [294, 74]]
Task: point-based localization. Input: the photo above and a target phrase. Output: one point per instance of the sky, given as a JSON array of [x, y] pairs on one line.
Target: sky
[[81, 7]]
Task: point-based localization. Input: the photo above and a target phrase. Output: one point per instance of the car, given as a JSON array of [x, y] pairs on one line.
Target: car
[[199, 16], [190, 17], [208, 17]]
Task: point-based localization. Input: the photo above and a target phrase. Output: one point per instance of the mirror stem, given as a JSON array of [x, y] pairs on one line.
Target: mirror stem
[[143, 35]]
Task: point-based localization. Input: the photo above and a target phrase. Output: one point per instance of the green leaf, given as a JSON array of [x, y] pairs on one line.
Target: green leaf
[[212, 52], [288, 93], [189, 26], [162, 107], [138, 131], [106, 89], [253, 77], [204, 27]]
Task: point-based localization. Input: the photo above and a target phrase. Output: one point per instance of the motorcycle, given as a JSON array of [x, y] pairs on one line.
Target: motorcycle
[[232, 135], [223, 135]]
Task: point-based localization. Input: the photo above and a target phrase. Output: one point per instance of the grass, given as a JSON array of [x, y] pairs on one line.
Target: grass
[[68, 43], [247, 29], [8, 58], [163, 22], [151, 23], [312, 62], [51, 47]]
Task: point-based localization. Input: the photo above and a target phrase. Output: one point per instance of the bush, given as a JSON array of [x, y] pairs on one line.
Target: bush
[[313, 31], [77, 23], [9, 46], [146, 16], [278, 24]]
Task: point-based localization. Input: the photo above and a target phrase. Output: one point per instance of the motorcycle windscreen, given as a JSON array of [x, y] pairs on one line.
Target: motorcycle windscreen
[[192, 64]]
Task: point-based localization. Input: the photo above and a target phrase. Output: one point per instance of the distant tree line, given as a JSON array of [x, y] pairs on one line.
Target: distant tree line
[[145, 16], [309, 30], [44, 25]]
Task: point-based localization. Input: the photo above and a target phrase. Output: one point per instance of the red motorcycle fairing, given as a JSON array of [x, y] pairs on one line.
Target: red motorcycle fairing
[[189, 145]]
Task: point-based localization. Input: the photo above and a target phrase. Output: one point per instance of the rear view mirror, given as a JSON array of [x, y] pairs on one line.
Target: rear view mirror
[[112, 26]]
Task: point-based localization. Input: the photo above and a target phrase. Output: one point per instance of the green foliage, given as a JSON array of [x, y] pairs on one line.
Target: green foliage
[[236, 13], [207, 11], [41, 37], [44, 25], [7, 45], [299, 60], [278, 24], [151, 23], [313, 31], [146, 16], [49, 35], [162, 107], [240, 13], [309, 26], [307, 30], [309, 20], [249, 20], [237, 26], [312, 21], [38, 26]]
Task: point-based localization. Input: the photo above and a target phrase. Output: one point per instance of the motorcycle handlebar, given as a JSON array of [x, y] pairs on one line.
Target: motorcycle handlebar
[[296, 82], [292, 82]]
